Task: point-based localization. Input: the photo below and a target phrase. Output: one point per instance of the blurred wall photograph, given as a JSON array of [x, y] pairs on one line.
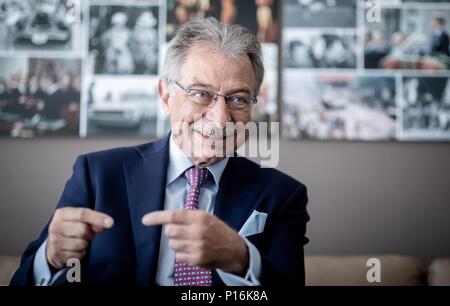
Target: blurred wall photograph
[[39, 25], [40, 96], [338, 107], [410, 38]]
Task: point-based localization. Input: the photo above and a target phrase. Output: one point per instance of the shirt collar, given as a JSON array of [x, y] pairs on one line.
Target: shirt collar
[[179, 163], [438, 31]]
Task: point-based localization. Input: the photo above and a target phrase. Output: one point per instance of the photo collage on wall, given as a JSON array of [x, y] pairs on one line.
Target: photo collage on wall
[[349, 77], [90, 68], [41, 50]]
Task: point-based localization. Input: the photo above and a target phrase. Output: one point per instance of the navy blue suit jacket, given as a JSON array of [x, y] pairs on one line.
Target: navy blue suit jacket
[[127, 183]]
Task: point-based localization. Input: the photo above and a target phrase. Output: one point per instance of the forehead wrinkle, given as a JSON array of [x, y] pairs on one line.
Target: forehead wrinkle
[[237, 88], [213, 77]]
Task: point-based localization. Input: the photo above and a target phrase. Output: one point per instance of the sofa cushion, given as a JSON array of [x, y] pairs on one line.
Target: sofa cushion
[[395, 270], [334, 270], [8, 265], [439, 272]]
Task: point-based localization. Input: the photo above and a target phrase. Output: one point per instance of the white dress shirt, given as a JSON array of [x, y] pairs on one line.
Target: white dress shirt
[[176, 192]]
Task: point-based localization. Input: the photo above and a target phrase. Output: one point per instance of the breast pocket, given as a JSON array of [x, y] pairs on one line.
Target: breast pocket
[[254, 224]]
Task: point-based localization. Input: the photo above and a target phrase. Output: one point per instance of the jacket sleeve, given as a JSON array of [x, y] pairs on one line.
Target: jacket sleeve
[[281, 247], [77, 193]]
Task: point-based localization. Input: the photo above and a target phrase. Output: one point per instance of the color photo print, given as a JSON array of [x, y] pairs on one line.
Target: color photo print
[[410, 37], [259, 16], [328, 106], [39, 96]]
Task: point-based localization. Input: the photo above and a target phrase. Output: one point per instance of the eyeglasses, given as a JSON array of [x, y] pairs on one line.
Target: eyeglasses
[[202, 97]]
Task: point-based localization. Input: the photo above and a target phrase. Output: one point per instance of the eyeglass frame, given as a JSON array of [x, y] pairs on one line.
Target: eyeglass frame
[[215, 95]]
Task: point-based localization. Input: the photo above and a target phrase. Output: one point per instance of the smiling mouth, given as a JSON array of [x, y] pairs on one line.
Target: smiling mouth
[[210, 137]]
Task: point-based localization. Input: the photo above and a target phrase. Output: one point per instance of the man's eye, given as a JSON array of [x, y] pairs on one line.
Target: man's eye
[[239, 100], [201, 95]]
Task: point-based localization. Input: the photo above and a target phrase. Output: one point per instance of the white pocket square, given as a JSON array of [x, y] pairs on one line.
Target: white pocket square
[[254, 224]]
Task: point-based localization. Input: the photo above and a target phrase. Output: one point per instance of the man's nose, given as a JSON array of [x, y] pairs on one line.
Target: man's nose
[[219, 112]]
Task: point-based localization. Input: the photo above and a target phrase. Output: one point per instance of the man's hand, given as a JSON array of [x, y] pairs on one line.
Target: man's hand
[[70, 231], [201, 239]]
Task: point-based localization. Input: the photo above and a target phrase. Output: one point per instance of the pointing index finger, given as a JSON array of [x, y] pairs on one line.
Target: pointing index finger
[[168, 216], [89, 216]]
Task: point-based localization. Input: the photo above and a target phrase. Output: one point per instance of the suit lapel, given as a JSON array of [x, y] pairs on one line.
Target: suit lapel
[[236, 197], [145, 181]]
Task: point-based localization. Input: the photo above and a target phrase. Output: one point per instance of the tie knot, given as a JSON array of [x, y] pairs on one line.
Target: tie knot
[[197, 176]]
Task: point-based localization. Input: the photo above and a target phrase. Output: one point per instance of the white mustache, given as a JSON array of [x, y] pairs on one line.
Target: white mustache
[[213, 130]]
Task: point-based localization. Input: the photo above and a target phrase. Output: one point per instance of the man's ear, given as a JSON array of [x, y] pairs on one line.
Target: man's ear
[[163, 91]]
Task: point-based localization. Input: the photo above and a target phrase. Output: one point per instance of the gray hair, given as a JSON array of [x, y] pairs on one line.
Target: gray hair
[[232, 40]]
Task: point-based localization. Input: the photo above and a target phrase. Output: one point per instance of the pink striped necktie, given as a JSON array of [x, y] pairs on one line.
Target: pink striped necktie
[[185, 274]]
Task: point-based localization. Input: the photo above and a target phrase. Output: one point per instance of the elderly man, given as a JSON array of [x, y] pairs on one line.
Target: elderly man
[[183, 210]]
